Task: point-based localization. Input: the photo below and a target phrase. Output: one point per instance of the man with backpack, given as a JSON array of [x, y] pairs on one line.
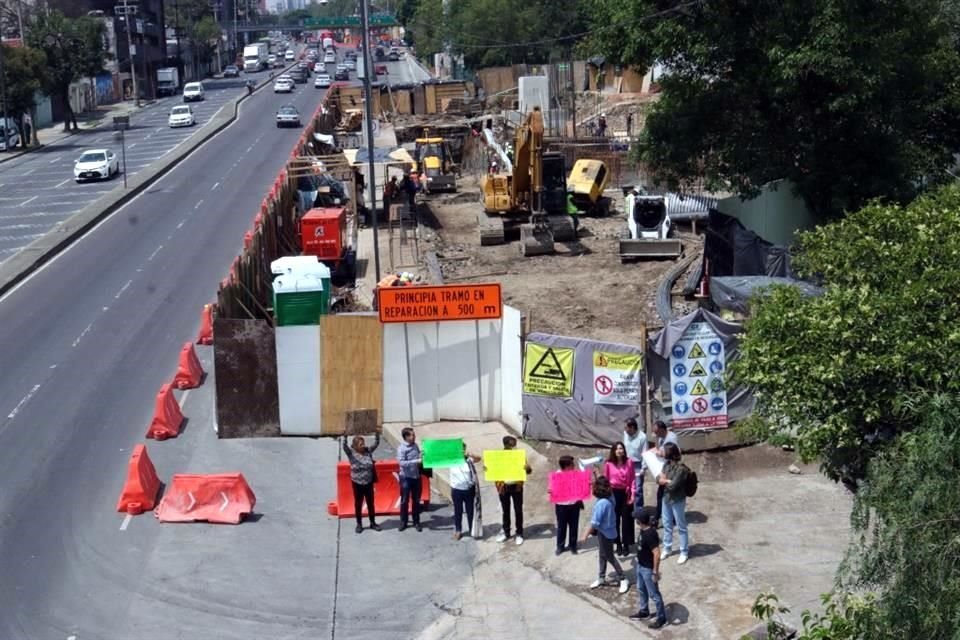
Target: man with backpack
[[678, 483]]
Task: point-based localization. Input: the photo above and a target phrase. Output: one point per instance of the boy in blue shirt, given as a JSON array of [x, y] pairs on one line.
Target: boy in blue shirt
[[603, 524]]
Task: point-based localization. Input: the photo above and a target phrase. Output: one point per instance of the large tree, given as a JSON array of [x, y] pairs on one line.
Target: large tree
[[850, 100], [26, 74], [74, 49]]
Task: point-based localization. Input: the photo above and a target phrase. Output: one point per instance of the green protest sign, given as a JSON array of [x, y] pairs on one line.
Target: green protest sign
[[438, 454]]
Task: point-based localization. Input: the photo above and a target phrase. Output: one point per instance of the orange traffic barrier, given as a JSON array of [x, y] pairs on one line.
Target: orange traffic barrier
[[206, 325], [386, 497], [140, 490], [189, 371], [167, 417], [217, 497]]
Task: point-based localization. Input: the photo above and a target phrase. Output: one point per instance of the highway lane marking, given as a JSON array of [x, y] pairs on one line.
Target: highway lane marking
[[122, 289], [215, 185], [23, 204], [23, 225], [154, 254], [23, 401], [54, 161], [132, 145], [32, 236], [123, 526], [197, 206], [180, 224], [83, 333], [183, 398], [60, 184]]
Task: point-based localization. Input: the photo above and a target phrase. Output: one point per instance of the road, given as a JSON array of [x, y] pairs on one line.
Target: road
[[88, 340], [38, 190]]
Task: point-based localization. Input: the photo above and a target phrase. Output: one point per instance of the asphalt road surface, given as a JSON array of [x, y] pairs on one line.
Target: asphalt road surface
[[38, 189], [88, 340]]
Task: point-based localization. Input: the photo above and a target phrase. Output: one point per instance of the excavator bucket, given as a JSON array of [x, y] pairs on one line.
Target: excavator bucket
[[536, 239], [646, 248]]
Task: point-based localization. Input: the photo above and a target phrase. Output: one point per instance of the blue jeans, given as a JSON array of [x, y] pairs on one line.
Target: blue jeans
[[409, 491], [638, 491], [463, 502], [675, 513], [648, 590]]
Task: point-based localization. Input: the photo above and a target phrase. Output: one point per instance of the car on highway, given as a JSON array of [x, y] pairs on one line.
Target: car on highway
[[288, 116], [193, 91], [341, 74], [299, 75], [380, 69], [231, 71], [96, 164], [319, 67], [272, 60], [350, 64], [181, 116], [289, 56], [322, 80], [283, 85], [329, 57], [393, 56]]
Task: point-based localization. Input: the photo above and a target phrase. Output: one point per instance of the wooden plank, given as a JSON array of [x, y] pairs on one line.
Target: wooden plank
[[361, 422], [351, 374]]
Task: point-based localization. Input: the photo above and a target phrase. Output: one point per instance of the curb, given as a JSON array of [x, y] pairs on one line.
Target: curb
[[43, 249]]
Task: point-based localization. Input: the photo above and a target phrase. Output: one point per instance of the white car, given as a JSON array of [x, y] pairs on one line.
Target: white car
[[13, 137], [319, 67], [271, 59], [288, 56], [329, 57], [192, 91], [321, 81], [283, 85], [96, 164], [350, 64], [181, 116]]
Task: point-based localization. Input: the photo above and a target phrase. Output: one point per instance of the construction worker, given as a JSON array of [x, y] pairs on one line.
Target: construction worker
[[390, 191], [573, 212], [602, 125]]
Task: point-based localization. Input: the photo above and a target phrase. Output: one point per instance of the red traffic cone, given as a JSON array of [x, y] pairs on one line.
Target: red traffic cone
[[189, 372], [206, 325]]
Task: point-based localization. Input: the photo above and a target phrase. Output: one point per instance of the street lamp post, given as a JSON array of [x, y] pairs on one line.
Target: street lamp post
[[133, 70]]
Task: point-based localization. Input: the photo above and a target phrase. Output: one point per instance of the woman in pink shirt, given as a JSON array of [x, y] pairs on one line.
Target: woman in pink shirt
[[619, 470]]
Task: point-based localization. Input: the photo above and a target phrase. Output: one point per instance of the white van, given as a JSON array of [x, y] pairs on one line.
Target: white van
[[192, 91], [329, 57]]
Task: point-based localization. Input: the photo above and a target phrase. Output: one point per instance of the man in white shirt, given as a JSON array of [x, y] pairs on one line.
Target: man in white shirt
[[664, 435], [635, 442]]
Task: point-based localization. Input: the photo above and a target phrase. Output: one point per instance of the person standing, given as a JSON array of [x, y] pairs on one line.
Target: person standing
[[664, 436], [630, 125], [410, 459], [463, 489], [673, 479], [602, 125], [619, 470], [603, 524], [511, 492], [636, 443], [648, 572], [363, 475], [568, 515]]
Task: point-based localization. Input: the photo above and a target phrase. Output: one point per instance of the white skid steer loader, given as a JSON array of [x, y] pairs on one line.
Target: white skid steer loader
[[648, 229]]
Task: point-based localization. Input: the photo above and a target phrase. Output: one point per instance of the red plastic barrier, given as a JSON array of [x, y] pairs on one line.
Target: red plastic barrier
[[206, 325], [139, 493], [218, 497], [386, 498], [167, 417], [189, 372]]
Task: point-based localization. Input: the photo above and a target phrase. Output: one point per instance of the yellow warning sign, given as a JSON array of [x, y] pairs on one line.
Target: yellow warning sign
[[696, 351], [548, 371], [699, 389], [697, 370]]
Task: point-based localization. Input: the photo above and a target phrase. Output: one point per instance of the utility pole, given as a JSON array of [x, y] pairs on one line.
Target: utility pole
[[176, 29], [236, 36], [133, 69], [368, 70]]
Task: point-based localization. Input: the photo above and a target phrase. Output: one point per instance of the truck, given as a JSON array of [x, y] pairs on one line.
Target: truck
[[168, 81], [255, 57]]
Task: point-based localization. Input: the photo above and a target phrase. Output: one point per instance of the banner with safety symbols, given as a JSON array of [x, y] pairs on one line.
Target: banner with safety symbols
[[617, 377], [697, 365], [548, 371]]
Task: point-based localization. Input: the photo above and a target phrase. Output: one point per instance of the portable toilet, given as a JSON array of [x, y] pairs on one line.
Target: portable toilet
[[300, 299]]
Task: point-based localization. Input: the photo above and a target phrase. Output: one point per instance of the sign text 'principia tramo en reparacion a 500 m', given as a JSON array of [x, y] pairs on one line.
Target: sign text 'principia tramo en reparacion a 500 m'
[[438, 303]]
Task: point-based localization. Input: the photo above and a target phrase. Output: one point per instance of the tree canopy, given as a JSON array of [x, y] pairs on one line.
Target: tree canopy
[[26, 75], [850, 101]]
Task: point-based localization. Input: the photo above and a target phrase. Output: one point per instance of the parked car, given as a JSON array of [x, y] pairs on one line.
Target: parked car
[[231, 71], [94, 164], [193, 91], [283, 85], [321, 81], [181, 116], [13, 137], [393, 56], [287, 115]]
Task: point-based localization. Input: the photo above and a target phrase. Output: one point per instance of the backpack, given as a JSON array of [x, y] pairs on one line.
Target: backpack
[[692, 484]]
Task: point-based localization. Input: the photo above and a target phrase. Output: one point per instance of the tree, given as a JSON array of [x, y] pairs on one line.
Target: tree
[[73, 48], [26, 74], [849, 103], [837, 372]]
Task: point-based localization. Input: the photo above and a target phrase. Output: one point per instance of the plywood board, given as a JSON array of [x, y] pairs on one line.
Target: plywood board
[[351, 379], [245, 374]]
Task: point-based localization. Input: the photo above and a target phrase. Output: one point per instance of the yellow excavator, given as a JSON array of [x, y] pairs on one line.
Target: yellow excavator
[[434, 160], [532, 195]]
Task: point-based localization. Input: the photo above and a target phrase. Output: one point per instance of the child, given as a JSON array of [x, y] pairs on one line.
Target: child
[[603, 523], [648, 571], [568, 515], [511, 491]]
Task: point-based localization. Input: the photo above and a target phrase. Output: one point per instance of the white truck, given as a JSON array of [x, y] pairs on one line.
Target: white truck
[[255, 57], [327, 43], [168, 81]]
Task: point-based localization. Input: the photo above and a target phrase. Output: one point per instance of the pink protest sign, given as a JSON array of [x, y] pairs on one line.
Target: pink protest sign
[[569, 486]]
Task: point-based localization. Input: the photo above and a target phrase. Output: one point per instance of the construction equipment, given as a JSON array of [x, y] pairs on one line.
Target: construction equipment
[[648, 229], [532, 197], [586, 183], [435, 161]]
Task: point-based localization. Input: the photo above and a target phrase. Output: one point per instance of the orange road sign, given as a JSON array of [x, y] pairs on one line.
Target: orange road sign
[[439, 303]]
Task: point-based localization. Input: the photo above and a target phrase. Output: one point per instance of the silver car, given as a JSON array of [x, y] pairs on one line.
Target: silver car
[[287, 116]]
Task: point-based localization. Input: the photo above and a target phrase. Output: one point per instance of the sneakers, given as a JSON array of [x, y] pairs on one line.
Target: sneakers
[[656, 624], [359, 529], [624, 585], [519, 540], [664, 554], [596, 584], [682, 558], [640, 615], [502, 537], [457, 536]]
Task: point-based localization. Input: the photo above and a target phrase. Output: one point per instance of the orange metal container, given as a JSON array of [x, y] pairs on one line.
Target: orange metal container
[[323, 233]]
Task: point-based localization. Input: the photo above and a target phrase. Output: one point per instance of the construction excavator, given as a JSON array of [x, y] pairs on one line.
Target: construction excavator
[[648, 228], [531, 195]]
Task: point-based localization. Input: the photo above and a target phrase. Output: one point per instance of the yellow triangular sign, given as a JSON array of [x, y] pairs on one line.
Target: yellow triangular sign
[[699, 389], [696, 351], [697, 370]]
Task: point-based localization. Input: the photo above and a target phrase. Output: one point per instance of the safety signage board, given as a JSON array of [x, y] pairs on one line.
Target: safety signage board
[[616, 377], [548, 371], [697, 364], [439, 303]]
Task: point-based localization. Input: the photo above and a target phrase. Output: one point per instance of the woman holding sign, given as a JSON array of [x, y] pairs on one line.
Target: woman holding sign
[[619, 470], [362, 475]]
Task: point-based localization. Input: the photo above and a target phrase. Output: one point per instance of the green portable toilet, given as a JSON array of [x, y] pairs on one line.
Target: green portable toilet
[[301, 290]]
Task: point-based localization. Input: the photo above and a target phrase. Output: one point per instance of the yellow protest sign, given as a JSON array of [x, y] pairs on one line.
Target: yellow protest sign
[[548, 371], [505, 465]]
